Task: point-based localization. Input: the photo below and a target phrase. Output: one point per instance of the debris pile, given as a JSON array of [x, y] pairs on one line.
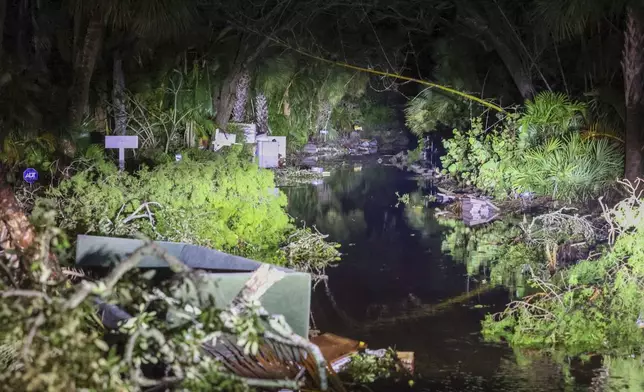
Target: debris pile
[[342, 146]]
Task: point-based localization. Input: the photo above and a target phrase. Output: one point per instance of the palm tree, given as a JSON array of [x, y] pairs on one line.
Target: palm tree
[[569, 18], [93, 19]]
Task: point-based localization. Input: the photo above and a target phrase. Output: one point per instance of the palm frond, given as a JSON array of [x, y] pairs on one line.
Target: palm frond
[[552, 114], [601, 129], [570, 167], [571, 18]]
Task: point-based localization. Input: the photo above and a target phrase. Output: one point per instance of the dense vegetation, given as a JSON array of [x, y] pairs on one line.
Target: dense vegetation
[[593, 307], [544, 149], [544, 97]]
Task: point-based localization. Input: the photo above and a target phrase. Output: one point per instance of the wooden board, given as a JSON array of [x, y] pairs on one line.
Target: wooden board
[[334, 347]]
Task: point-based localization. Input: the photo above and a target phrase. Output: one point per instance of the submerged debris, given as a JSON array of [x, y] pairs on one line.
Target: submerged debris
[[289, 176]]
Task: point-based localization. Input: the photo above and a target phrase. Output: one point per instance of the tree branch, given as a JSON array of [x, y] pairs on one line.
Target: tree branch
[[107, 284]]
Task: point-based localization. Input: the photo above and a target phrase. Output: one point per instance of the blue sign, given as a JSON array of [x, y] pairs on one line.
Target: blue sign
[[30, 175]]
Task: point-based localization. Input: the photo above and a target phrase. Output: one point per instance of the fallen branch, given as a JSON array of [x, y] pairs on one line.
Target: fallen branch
[[107, 285], [26, 293], [137, 215]]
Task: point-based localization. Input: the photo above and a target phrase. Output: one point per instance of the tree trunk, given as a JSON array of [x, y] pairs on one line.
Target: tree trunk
[[19, 235], [84, 68], [118, 96], [514, 64], [492, 32], [633, 69], [224, 100], [226, 97]]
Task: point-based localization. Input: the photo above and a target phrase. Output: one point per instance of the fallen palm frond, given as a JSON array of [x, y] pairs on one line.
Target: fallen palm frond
[[602, 130], [76, 274]]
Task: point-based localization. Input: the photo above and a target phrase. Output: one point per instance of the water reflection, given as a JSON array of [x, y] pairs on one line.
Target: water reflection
[[412, 281]]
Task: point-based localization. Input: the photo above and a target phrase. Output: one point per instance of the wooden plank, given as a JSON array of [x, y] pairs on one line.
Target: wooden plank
[[334, 347]]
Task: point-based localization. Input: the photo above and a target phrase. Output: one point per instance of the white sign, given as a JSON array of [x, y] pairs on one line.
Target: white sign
[[223, 139], [177, 157], [122, 142]]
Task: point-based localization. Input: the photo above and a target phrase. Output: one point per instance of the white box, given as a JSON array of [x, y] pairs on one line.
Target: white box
[[281, 140], [267, 154]]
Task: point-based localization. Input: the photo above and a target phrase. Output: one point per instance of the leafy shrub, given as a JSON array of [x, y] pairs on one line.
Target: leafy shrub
[[484, 158], [297, 93], [20, 151], [224, 202], [540, 151], [374, 114], [594, 306], [366, 368], [570, 167], [173, 110]]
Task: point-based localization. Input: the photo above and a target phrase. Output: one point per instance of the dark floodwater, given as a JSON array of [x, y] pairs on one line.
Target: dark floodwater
[[394, 287]]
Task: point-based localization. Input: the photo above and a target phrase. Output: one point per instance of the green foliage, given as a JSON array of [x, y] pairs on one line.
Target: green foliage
[[374, 114], [540, 151], [366, 368], [224, 202], [22, 151], [593, 307], [173, 110], [570, 167], [431, 108], [307, 251], [61, 346], [484, 158], [364, 110], [552, 114], [415, 155]]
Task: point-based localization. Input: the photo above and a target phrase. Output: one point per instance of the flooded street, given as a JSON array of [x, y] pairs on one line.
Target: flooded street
[[397, 287]]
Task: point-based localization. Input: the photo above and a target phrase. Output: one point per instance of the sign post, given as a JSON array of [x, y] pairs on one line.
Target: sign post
[[122, 142]]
